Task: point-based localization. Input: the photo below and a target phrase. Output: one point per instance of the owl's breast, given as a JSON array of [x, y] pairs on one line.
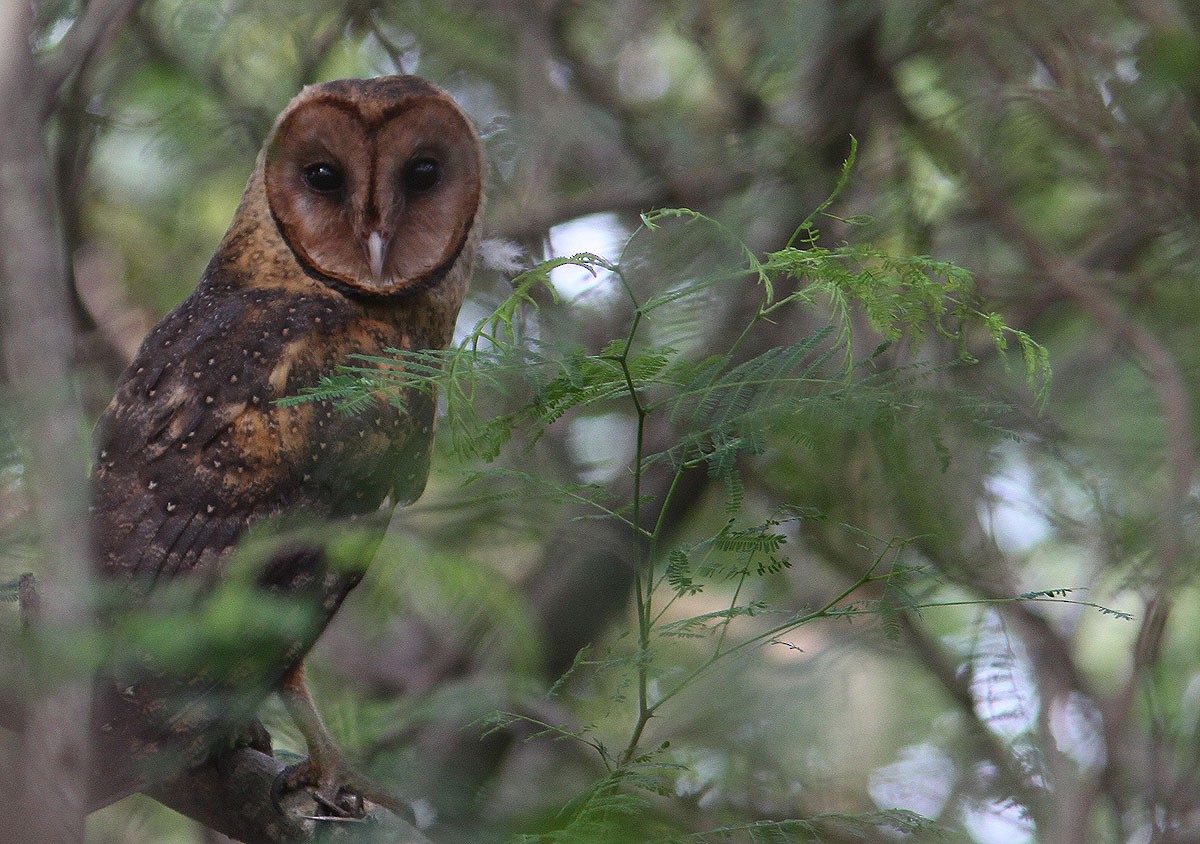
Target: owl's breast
[[343, 461], [383, 443]]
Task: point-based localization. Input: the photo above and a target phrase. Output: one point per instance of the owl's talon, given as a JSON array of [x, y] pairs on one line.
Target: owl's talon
[[338, 811], [342, 800]]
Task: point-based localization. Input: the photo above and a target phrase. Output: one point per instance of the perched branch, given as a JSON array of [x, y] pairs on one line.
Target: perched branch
[[233, 795]]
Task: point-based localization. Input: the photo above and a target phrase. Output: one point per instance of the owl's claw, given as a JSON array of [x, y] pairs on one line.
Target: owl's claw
[[332, 791], [325, 774], [338, 812]]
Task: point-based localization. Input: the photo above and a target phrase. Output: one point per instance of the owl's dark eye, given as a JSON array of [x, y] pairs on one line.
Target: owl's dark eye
[[323, 177], [421, 174]]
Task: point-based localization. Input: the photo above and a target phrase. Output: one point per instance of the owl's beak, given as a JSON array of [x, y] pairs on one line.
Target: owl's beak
[[376, 253]]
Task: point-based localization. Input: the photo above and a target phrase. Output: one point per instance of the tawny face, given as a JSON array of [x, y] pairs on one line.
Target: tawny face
[[375, 183]]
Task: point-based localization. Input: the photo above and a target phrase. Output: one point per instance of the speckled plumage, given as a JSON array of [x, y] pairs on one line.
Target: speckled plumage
[[193, 451]]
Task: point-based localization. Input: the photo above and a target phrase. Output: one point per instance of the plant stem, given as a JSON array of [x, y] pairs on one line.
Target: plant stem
[[798, 621], [732, 606], [643, 576]]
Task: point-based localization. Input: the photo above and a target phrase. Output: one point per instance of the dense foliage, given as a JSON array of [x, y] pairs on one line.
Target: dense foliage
[[757, 518]]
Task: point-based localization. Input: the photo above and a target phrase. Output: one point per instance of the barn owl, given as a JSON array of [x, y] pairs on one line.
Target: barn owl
[[356, 234]]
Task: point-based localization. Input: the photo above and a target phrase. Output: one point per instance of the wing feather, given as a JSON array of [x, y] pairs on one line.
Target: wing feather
[[192, 454]]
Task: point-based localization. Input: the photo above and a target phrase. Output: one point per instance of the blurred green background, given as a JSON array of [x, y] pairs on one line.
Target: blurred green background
[[1051, 148]]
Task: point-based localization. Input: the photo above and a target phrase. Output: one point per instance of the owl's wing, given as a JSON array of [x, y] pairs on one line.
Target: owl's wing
[[192, 454], [193, 449], [164, 501]]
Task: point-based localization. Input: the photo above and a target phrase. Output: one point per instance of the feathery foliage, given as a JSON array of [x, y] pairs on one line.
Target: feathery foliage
[[724, 410]]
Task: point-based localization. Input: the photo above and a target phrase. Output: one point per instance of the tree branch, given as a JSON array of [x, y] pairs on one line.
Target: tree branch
[[1078, 280], [233, 796], [52, 753], [87, 38]]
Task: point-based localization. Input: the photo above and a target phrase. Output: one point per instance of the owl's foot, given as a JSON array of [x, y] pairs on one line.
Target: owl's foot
[[338, 789], [334, 791]]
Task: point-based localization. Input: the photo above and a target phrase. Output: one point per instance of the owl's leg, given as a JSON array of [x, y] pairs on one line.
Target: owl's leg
[[337, 787], [325, 770]]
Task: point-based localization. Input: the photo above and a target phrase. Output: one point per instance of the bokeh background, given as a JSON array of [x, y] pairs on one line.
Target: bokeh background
[[1050, 147]]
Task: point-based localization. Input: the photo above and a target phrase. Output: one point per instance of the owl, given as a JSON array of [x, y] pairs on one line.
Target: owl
[[356, 234]]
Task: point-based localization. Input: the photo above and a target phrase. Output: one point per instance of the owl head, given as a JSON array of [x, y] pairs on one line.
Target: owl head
[[374, 184]]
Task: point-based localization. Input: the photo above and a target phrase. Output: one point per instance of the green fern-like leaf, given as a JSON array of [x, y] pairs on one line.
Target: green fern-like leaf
[[755, 540], [679, 572]]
